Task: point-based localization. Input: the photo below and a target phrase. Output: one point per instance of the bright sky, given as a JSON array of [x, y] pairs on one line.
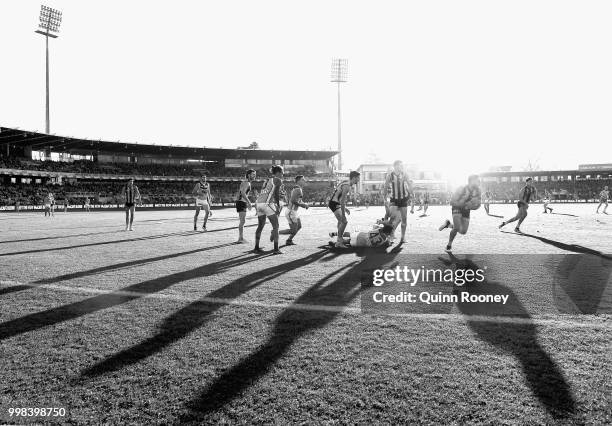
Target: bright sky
[[455, 85]]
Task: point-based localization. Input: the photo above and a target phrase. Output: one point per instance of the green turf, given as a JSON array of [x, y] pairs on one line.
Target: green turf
[[166, 325]]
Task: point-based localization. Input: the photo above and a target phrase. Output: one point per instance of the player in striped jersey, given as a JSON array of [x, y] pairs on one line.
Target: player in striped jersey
[[243, 203], [201, 191], [604, 195], [268, 206], [401, 191], [465, 199], [337, 204], [131, 194], [527, 194], [293, 205]]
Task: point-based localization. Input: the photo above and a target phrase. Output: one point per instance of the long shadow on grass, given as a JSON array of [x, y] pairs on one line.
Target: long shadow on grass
[[196, 314], [544, 377], [126, 294], [58, 237], [563, 246], [127, 240], [335, 291]]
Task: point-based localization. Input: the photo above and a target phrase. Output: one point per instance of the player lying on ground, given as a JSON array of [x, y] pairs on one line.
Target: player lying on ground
[[243, 203], [465, 199], [603, 199], [201, 191], [268, 206], [380, 236], [292, 214], [337, 204], [130, 194], [527, 194]]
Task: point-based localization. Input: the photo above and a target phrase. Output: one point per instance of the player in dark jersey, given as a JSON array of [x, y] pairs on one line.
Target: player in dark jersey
[[268, 206], [337, 204], [465, 199], [131, 195], [243, 203], [292, 213], [401, 192], [426, 199], [603, 199], [527, 194]]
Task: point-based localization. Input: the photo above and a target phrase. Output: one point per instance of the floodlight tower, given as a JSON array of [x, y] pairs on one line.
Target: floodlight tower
[[339, 74], [50, 20]]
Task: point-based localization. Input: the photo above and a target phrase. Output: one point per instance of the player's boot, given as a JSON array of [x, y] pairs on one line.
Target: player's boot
[[502, 225], [445, 225], [517, 230], [340, 245], [277, 251], [448, 248], [289, 242]]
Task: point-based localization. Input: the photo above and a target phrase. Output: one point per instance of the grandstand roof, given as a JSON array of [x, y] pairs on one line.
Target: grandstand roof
[[41, 141]]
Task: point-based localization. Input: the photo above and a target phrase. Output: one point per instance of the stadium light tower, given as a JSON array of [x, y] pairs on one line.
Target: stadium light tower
[[339, 74], [50, 20]]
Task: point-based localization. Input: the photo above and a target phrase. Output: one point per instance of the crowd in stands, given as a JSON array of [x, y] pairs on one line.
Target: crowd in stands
[[92, 167], [153, 192], [579, 190]]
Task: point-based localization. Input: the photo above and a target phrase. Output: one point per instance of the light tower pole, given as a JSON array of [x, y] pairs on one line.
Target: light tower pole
[[50, 20], [339, 74]]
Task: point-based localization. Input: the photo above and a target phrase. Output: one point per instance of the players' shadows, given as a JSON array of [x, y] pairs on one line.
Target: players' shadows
[[137, 291], [102, 243], [495, 215], [520, 338], [335, 291], [564, 214], [196, 314], [123, 265], [58, 237], [564, 246], [13, 289]]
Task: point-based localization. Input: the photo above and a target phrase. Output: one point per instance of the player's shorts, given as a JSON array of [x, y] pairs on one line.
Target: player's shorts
[[603, 200], [129, 205], [241, 206], [426, 202], [521, 204], [202, 202], [333, 205], [399, 202], [264, 209], [292, 216], [465, 213]]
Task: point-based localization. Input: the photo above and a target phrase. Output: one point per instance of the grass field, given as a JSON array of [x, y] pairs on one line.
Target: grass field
[[167, 325]]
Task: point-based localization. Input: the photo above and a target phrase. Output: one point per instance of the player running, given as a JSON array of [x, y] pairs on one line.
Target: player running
[[201, 191], [400, 186], [465, 199], [49, 204], [131, 194], [268, 205], [604, 195], [546, 202], [293, 205], [243, 203], [426, 199], [527, 194], [486, 201], [337, 204]]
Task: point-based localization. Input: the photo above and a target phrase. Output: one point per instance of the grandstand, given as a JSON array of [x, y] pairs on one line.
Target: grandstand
[[32, 164], [583, 184]]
